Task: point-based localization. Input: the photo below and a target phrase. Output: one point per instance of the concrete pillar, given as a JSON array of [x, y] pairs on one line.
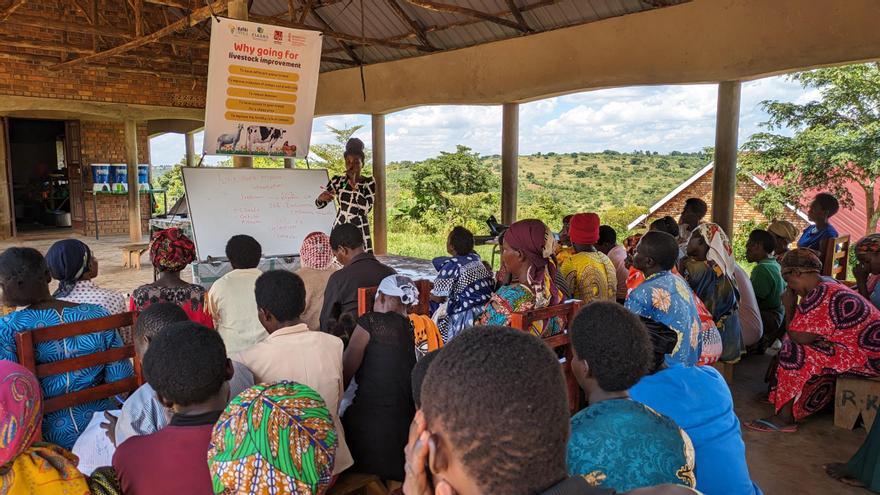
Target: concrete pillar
[[131, 161], [238, 9], [509, 161], [190, 150], [289, 163], [726, 136], [380, 202]]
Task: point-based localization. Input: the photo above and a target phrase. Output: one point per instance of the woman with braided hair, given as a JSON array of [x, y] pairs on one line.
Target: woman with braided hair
[[353, 192]]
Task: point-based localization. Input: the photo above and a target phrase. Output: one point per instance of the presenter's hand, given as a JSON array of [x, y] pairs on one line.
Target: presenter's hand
[[325, 196]]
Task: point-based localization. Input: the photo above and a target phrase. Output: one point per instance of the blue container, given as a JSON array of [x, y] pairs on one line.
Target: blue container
[[100, 177], [119, 178], [143, 177]]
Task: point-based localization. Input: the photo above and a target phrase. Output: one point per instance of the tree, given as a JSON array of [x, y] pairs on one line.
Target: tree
[[333, 155], [836, 140]]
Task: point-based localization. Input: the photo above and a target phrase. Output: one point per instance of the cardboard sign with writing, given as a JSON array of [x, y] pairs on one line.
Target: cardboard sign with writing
[[855, 398]]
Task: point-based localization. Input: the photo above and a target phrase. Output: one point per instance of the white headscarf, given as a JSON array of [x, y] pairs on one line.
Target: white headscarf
[[720, 251], [399, 286]]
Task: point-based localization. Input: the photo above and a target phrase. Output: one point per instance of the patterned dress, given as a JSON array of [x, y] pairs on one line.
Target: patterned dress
[[353, 203], [721, 296], [623, 445], [191, 298], [514, 298], [467, 285], [64, 426], [848, 330], [590, 276]]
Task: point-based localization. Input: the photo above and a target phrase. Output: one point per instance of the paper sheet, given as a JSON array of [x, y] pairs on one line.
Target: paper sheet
[[93, 447]]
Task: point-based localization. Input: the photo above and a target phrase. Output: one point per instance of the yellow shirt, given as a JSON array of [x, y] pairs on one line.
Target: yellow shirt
[[311, 358], [233, 306], [590, 276]]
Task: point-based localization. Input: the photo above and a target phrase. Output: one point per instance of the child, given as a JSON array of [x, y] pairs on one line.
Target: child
[[816, 236], [767, 282], [188, 368], [294, 353], [612, 352], [230, 300], [463, 282]]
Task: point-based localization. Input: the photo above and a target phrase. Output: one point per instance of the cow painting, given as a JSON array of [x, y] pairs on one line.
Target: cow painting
[[260, 134]]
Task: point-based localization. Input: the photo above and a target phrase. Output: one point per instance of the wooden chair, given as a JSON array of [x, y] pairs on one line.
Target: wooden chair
[[26, 342], [367, 295], [836, 259], [560, 343], [131, 255]]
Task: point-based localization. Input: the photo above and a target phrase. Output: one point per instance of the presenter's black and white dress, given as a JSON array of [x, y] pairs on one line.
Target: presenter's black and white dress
[[354, 203]]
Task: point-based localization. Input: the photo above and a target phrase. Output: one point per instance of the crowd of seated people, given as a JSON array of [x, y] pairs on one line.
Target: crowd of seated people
[[276, 382]]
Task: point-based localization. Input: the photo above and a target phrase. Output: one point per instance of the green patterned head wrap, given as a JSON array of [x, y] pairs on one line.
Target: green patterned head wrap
[[276, 438]]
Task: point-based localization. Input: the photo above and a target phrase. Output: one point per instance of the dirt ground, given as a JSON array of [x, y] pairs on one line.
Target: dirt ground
[[780, 463]]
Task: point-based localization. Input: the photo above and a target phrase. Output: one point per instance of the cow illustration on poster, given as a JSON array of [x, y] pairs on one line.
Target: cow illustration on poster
[[262, 84]]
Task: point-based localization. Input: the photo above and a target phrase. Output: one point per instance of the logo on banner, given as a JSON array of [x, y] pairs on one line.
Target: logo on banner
[[279, 36]]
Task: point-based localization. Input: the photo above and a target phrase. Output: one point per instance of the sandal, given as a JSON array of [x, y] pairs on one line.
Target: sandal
[[766, 426]]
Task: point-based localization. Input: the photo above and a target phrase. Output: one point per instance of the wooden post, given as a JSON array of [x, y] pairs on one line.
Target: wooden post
[[726, 136], [289, 163], [238, 9], [509, 161], [190, 150], [131, 160], [380, 203]]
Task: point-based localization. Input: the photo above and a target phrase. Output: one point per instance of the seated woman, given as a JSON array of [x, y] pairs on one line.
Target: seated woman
[[291, 451], [833, 330], [26, 465], [171, 251], [24, 280], [867, 271], [709, 270], [463, 282], [526, 252], [316, 265], [380, 357]]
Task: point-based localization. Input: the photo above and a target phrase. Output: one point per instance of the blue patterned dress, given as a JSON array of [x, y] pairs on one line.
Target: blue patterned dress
[[64, 426], [467, 285], [623, 445]]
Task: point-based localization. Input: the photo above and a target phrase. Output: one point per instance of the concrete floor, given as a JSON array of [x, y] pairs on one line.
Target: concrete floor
[[779, 463]]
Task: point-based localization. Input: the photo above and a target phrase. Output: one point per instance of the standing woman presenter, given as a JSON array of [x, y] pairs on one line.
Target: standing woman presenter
[[353, 192]]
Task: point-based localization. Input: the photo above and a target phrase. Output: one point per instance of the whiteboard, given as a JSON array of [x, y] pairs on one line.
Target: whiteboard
[[274, 206]]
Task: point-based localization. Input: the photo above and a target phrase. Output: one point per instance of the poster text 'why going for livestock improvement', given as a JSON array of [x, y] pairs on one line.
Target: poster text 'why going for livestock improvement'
[[262, 82]]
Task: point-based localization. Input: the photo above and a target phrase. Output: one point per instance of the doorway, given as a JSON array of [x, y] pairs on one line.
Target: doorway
[[41, 196]]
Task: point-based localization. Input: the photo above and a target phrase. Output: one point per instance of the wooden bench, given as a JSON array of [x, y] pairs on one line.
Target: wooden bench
[[559, 343], [367, 296], [836, 259], [131, 255], [27, 340]]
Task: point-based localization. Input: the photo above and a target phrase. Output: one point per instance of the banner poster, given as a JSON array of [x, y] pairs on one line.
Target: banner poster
[[262, 82]]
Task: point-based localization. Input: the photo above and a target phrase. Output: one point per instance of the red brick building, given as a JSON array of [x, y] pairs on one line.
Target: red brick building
[[699, 185]]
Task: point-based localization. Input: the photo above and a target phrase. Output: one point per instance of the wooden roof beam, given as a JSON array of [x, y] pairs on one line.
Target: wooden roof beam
[[192, 19], [455, 9], [8, 11], [416, 28], [517, 14], [327, 31], [180, 4], [307, 8], [345, 46]]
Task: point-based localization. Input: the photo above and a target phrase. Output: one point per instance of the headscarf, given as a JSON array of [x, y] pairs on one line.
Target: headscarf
[[316, 252], [801, 260], [784, 229], [535, 241], [171, 250], [399, 286], [720, 251], [280, 434], [868, 244], [584, 229], [68, 261], [21, 410]]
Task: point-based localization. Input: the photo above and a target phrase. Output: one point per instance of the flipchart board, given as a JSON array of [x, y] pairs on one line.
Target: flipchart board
[[274, 206]]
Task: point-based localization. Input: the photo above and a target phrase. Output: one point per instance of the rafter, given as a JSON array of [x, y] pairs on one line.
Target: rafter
[[192, 19], [330, 33], [416, 28], [345, 46], [455, 9], [307, 8], [43, 46], [517, 14], [180, 4], [8, 11]]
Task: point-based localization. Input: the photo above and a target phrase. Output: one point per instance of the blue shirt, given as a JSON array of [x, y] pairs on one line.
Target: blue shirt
[[698, 400], [623, 445], [812, 237]]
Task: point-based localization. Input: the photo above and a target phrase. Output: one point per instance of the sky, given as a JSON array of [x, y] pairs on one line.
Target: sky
[[652, 118]]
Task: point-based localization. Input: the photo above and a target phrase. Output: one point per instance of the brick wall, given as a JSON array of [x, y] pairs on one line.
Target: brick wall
[[113, 214], [743, 211]]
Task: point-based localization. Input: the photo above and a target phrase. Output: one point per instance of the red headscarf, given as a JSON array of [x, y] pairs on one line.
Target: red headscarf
[[171, 250], [21, 410], [535, 241], [584, 229], [316, 252]]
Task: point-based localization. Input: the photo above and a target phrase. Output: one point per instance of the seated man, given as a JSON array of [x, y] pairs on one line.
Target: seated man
[[190, 373], [230, 303], [360, 269], [294, 353], [589, 274], [695, 209], [619, 442], [817, 236], [767, 283], [458, 444], [142, 413]]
